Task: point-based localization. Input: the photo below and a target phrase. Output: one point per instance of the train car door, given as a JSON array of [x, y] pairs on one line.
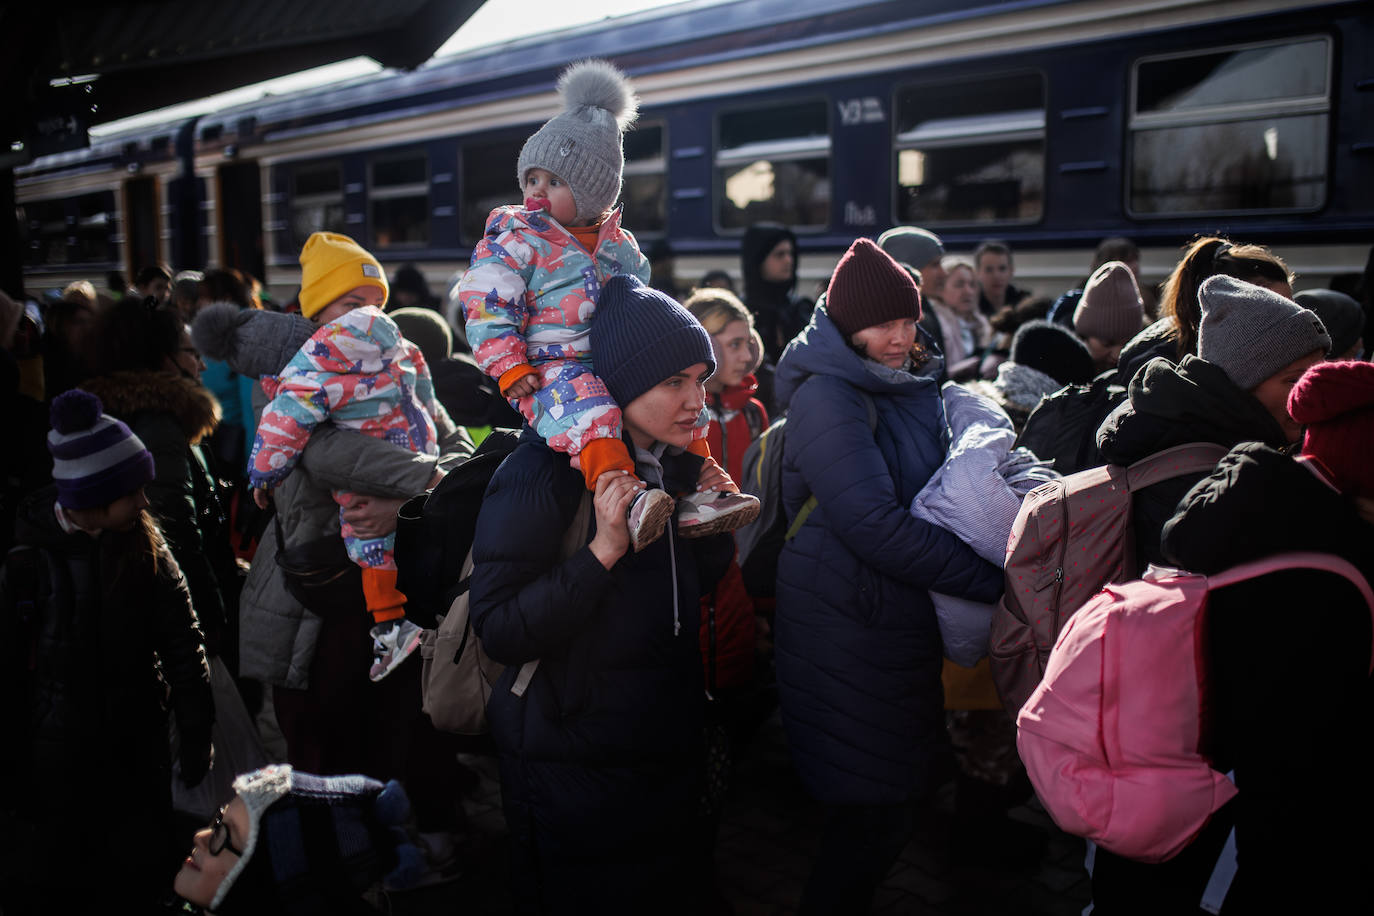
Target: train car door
[[240, 208], [141, 236]]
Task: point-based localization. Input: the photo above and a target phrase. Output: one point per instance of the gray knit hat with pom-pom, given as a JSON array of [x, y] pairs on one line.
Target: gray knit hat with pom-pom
[[582, 144], [254, 342]]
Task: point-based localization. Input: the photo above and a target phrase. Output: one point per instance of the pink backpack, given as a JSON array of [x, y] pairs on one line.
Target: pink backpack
[[1071, 537], [1110, 737]]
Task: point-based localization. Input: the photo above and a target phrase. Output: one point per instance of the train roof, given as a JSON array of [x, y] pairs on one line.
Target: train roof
[[697, 32]]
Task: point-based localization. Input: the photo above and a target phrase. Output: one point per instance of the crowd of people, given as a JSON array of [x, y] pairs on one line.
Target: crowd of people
[[200, 507]]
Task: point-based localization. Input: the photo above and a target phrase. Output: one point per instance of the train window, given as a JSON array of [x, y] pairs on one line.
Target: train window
[[773, 163], [972, 151], [1231, 129], [77, 230], [645, 196], [317, 203], [488, 182], [399, 201]]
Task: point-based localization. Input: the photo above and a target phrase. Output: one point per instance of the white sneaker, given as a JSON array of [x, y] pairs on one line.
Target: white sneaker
[[392, 643], [647, 517], [715, 512]]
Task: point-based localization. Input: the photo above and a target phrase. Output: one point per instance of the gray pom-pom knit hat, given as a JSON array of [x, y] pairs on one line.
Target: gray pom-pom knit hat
[[582, 144]]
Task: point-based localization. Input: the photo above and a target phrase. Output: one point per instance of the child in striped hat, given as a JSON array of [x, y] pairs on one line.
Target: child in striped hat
[[99, 465]]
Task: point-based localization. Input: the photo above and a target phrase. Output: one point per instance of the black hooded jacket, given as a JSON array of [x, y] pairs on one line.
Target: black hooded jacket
[[1288, 697], [1170, 405], [779, 313]]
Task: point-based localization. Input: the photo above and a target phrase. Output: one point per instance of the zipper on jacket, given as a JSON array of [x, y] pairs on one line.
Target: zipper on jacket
[[1063, 554], [672, 560]]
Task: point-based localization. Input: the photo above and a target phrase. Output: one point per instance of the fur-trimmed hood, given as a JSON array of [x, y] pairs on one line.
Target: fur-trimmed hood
[[126, 393]]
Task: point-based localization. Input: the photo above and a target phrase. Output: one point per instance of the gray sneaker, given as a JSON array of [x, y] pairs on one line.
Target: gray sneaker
[[392, 643], [715, 512], [647, 517]]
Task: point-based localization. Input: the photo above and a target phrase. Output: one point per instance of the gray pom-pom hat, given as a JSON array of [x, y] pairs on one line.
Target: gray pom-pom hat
[[582, 144], [254, 342]]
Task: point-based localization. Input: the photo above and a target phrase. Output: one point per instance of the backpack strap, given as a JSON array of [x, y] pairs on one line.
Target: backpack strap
[[574, 539], [809, 506], [1189, 458], [1323, 562]]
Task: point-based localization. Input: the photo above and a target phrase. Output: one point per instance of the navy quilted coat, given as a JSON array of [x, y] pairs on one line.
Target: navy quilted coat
[[601, 758], [858, 647]]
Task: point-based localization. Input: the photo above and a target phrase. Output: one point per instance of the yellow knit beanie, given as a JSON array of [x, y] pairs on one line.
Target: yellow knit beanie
[[331, 265]]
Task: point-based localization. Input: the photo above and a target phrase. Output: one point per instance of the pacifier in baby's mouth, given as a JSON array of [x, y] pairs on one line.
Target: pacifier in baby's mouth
[[538, 203]]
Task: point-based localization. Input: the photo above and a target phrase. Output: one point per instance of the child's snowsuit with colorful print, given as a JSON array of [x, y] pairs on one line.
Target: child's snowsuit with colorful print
[[360, 373], [530, 297]]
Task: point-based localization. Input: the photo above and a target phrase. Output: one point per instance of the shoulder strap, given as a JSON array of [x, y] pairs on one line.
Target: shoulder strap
[[809, 506], [1324, 562], [1188, 458], [573, 541]]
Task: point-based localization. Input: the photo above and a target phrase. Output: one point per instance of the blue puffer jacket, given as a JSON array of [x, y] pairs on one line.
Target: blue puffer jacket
[[601, 758], [858, 648]]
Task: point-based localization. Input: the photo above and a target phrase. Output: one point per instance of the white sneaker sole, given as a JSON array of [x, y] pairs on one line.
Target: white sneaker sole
[[726, 521]]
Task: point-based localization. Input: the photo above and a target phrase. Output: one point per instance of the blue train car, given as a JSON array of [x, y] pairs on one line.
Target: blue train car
[[1047, 123]]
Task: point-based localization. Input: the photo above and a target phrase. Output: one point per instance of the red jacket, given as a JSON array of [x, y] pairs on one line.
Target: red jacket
[[742, 417], [727, 614]]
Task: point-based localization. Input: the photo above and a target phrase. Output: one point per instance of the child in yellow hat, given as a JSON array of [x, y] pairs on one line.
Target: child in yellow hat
[[358, 371]]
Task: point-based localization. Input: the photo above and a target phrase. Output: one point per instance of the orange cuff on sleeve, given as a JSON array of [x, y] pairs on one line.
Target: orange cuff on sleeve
[[700, 447], [601, 455], [384, 601], [513, 375]]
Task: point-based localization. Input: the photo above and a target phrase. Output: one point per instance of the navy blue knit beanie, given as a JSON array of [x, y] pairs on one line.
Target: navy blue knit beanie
[[641, 336]]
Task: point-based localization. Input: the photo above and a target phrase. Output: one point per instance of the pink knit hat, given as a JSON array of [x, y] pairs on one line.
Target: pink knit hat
[[1110, 308]]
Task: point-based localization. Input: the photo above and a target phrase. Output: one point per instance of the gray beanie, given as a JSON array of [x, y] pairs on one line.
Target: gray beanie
[[911, 246], [582, 144], [1251, 332]]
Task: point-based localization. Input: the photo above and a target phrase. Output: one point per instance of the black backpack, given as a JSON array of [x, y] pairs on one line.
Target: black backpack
[[760, 542], [434, 531], [1063, 427]]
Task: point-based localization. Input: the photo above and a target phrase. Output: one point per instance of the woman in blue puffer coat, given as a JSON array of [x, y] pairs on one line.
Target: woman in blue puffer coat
[[858, 646], [601, 760]]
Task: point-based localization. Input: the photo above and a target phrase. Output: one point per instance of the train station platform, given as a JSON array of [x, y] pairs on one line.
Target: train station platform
[[769, 832]]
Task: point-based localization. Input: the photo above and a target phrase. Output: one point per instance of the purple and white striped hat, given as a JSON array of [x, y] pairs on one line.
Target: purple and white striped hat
[[96, 458]]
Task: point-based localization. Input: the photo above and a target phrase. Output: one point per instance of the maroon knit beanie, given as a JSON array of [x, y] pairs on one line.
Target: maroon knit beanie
[[1335, 401], [869, 288]]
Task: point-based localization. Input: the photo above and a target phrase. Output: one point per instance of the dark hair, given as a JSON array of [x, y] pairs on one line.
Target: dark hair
[[1208, 256], [991, 246], [1010, 317], [712, 278], [229, 286], [137, 334], [149, 274], [1115, 248]]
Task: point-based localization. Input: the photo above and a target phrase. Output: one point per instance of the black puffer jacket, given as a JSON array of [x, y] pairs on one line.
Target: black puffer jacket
[[172, 415], [106, 647], [1289, 698], [1170, 405], [600, 759]]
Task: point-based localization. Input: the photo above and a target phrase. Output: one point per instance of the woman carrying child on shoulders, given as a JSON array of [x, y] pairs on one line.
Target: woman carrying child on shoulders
[[600, 757], [530, 297]]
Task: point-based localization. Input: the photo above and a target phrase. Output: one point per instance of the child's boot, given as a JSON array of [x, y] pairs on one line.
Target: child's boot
[[647, 517], [715, 511]]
